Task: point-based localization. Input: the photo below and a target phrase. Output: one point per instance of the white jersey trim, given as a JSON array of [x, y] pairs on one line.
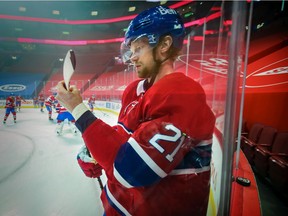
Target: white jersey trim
[[140, 87], [112, 198], [205, 142], [121, 179], [146, 158], [128, 132], [189, 171]]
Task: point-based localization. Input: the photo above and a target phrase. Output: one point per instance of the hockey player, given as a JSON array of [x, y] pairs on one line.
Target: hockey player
[[63, 114], [41, 100], [35, 102], [18, 102], [49, 103], [10, 108], [91, 102], [157, 158]]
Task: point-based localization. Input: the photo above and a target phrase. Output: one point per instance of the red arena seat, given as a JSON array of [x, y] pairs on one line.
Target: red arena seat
[[262, 153], [278, 165], [253, 135], [266, 138]]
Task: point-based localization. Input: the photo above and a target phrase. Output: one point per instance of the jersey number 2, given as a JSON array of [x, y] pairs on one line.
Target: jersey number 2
[[172, 138]]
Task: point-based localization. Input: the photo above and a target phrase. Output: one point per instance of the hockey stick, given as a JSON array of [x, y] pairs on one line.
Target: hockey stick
[[98, 178], [68, 70], [69, 67], [100, 183]]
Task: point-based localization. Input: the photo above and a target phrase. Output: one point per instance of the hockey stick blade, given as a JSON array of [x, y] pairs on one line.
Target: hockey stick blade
[[69, 67]]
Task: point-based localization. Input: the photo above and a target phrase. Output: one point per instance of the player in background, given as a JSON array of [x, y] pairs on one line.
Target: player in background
[[19, 99], [63, 114], [41, 100], [49, 103], [91, 102], [35, 102], [10, 108], [157, 158]]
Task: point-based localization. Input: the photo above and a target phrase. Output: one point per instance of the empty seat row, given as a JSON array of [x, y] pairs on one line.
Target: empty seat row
[[259, 135], [267, 151]]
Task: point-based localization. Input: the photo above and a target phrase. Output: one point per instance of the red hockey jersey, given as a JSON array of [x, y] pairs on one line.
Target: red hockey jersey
[[50, 101], [41, 98], [10, 102], [19, 98], [60, 109], [157, 160], [91, 100]]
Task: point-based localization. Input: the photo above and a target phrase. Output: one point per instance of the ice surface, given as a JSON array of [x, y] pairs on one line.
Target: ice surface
[[39, 173]]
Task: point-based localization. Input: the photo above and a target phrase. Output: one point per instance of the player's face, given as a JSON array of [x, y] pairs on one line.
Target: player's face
[[142, 57]]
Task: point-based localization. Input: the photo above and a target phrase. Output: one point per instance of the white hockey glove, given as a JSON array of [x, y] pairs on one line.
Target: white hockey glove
[[88, 165]]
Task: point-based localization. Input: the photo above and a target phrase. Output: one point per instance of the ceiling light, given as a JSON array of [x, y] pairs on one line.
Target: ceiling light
[[22, 9], [94, 13], [131, 9], [65, 33], [55, 12], [188, 14], [18, 29]]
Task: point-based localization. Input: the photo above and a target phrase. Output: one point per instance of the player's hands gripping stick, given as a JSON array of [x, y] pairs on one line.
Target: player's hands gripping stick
[[88, 165]]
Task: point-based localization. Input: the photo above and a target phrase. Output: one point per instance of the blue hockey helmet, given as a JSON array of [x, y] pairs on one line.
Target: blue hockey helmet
[[154, 23]]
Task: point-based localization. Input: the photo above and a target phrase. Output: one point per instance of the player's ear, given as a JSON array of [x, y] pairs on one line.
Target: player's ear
[[166, 43]]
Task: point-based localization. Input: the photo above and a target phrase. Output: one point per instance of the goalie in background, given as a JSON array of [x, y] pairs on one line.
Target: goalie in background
[[63, 114]]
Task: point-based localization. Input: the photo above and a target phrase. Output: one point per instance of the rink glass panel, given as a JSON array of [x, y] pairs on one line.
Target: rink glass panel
[[213, 56]]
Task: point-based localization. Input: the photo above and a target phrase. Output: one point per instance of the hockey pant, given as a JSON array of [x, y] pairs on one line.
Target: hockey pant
[[7, 113]]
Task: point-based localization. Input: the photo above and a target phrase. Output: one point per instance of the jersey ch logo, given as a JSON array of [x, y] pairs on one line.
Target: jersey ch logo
[[130, 107]]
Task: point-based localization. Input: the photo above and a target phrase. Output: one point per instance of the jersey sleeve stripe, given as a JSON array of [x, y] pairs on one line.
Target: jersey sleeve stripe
[[113, 202], [121, 179], [146, 158], [133, 167]]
